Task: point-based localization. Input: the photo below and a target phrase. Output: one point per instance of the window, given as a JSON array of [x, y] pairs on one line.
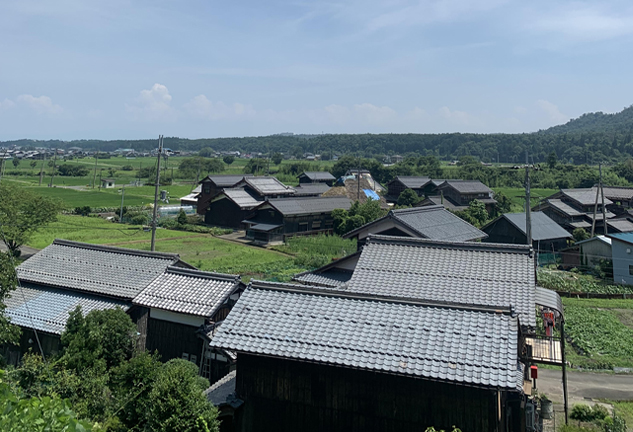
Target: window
[[631, 269], [329, 224], [316, 225], [185, 356], [193, 358], [207, 190], [303, 227]]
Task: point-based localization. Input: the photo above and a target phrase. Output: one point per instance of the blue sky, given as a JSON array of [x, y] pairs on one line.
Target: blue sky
[[72, 69]]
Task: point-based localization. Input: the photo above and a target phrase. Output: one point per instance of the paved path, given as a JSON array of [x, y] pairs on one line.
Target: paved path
[[583, 386], [27, 252]]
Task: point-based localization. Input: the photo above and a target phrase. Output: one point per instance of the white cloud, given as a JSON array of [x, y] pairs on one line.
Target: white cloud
[[41, 104], [372, 114], [201, 107], [552, 111], [6, 104], [153, 105], [457, 117]]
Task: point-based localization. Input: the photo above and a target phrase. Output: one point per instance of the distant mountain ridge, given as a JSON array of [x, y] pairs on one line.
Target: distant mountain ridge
[[596, 122]]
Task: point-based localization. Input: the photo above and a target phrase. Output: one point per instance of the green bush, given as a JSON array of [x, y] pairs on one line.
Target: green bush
[[599, 412], [127, 168], [582, 412]]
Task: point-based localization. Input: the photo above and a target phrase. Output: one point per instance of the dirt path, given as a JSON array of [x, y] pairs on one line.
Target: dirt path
[[583, 386]]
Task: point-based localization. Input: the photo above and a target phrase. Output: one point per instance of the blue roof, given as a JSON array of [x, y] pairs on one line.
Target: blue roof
[[625, 237], [371, 194]]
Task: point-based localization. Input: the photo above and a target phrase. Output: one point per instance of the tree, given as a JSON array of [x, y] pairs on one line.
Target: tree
[[504, 204], [206, 152], [228, 159], [16, 162], [255, 165], [580, 234], [277, 158], [182, 217], [408, 198], [107, 336], [552, 160], [9, 333], [22, 213], [33, 164], [475, 214], [189, 167], [176, 402]]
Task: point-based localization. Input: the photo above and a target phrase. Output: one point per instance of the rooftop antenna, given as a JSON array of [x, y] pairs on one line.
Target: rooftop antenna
[[528, 215], [157, 184]]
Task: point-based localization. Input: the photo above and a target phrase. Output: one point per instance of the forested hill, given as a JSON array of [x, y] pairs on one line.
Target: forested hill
[[591, 138], [596, 122]]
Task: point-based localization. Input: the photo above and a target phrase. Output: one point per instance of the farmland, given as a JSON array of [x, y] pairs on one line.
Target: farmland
[[601, 332], [578, 283]]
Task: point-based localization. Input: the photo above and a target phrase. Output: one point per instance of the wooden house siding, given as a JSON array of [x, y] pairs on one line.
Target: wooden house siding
[[209, 190], [291, 225], [288, 396], [225, 213], [502, 231], [172, 340]]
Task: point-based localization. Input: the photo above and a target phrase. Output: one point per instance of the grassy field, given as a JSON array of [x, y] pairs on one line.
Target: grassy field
[[601, 331], [201, 250], [517, 196]]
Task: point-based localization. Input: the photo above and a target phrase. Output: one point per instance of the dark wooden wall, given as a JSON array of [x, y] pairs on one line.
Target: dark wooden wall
[[225, 213], [171, 340], [503, 231], [290, 396]]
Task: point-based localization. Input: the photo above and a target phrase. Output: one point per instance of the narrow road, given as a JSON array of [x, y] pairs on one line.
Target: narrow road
[[584, 385], [27, 252]]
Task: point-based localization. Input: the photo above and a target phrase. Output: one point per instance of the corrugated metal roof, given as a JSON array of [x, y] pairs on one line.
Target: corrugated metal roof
[[584, 196], [309, 205], [625, 237], [601, 238], [305, 189], [467, 186], [268, 186], [318, 175], [103, 270], [622, 225], [263, 227], [548, 298], [543, 228], [436, 342], [190, 292], [240, 197], [46, 309], [486, 274], [435, 222]]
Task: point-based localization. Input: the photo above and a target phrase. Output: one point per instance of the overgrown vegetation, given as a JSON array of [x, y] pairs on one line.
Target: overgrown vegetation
[[316, 251], [578, 283]]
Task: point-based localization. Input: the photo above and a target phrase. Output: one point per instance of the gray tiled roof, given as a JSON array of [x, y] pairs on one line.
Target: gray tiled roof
[[622, 225], [432, 341], [46, 309], [104, 270], [226, 180], [585, 196], [467, 186], [268, 186], [331, 278], [564, 208], [436, 200], [309, 205], [435, 222], [618, 193], [486, 274], [318, 175], [219, 392], [318, 188], [241, 198], [413, 182], [191, 292], [543, 228]]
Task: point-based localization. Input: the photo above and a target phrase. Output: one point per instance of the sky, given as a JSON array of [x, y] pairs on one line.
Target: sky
[[123, 69]]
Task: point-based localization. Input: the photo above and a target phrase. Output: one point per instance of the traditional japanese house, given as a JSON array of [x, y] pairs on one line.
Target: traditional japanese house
[[456, 195], [214, 184], [432, 222], [68, 274], [399, 184], [191, 199], [316, 177], [574, 208], [265, 187], [311, 189], [177, 307], [276, 219], [447, 326], [230, 207], [547, 235], [331, 275]]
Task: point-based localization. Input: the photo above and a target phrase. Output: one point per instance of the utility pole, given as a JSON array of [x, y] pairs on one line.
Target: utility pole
[[122, 197], [94, 176], [4, 161], [100, 182], [595, 211], [604, 211], [528, 205], [358, 182], [42, 169], [157, 182], [54, 166]]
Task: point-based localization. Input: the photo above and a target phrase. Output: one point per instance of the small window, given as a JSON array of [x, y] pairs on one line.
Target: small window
[[193, 358], [316, 225], [303, 227], [207, 190], [631, 269], [185, 356], [329, 224]]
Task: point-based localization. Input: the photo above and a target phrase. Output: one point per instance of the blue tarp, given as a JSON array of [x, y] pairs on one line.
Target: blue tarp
[[371, 194]]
